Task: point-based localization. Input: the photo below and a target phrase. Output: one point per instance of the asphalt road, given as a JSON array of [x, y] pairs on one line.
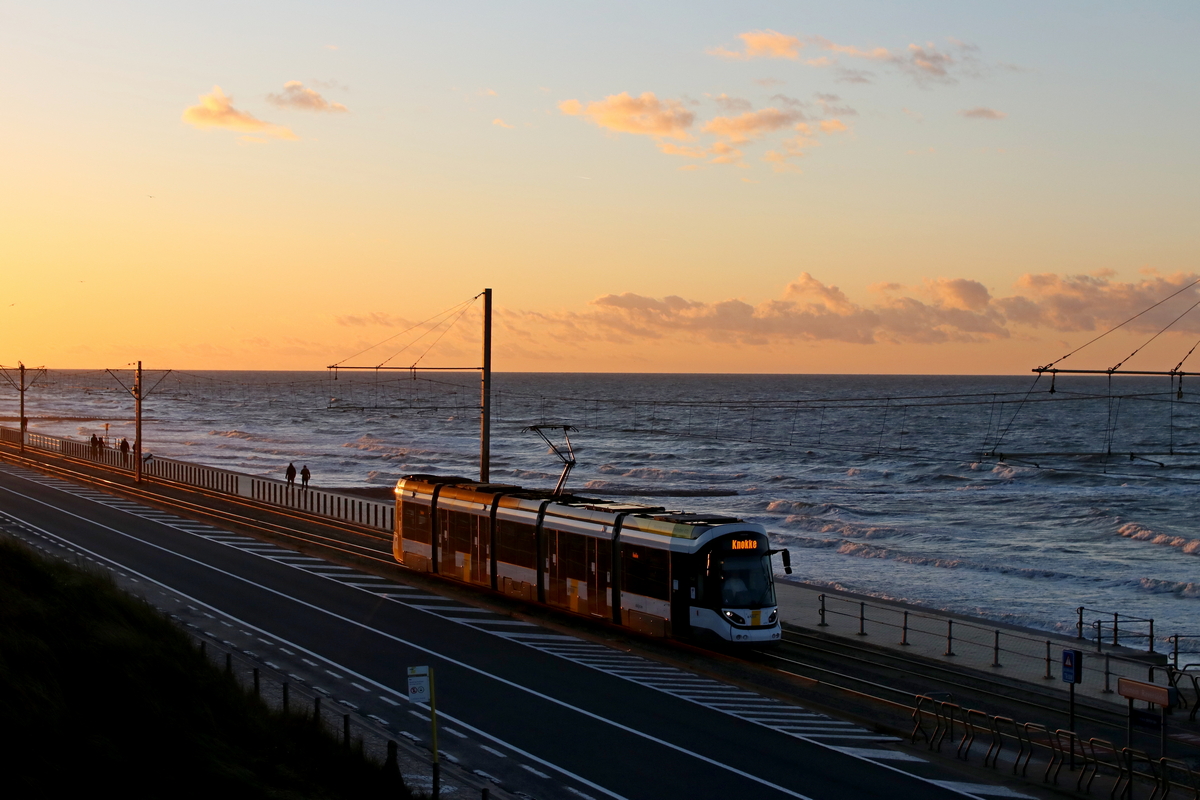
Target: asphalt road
[[544, 715]]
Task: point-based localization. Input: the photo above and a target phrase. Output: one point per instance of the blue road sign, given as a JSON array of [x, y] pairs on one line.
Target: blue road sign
[[1072, 666]]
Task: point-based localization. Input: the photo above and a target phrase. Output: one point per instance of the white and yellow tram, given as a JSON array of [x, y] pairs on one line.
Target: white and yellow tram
[[657, 572]]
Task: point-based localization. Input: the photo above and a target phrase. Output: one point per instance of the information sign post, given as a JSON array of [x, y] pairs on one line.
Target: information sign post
[[1072, 673], [1165, 697], [421, 690]]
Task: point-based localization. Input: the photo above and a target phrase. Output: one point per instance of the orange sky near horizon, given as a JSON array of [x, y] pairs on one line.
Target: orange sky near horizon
[[851, 189]]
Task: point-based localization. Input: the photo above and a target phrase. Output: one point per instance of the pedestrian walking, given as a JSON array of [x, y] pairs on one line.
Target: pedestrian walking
[[124, 451], [304, 476], [95, 447], [291, 474]]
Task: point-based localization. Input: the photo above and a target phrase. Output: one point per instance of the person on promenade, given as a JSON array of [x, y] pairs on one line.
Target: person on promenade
[[124, 451], [291, 474], [95, 447], [304, 476]]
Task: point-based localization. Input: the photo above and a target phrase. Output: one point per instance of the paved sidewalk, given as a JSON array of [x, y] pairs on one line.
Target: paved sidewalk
[[1016, 653]]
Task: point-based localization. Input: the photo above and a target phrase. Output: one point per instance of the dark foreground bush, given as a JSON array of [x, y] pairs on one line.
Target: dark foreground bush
[[100, 694]]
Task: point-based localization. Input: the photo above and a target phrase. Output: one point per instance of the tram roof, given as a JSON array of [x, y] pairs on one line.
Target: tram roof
[[648, 519]]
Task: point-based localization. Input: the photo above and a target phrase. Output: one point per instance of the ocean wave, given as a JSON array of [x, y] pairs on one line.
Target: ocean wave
[[656, 474], [1140, 533]]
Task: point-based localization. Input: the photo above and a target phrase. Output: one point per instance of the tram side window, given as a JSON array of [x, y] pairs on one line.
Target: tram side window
[[516, 543], [415, 522], [646, 571]]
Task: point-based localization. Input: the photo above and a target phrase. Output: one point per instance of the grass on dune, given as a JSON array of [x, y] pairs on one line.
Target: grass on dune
[[99, 691]]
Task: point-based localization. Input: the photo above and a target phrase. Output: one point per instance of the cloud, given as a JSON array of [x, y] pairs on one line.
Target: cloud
[[296, 96], [501, 123], [645, 115], [731, 105], [833, 126], [853, 76], [769, 82], [762, 44], [751, 125], [938, 311], [1096, 302], [982, 113], [215, 110], [374, 318]]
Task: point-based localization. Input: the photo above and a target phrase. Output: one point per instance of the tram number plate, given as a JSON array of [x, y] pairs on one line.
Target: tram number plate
[[418, 684]]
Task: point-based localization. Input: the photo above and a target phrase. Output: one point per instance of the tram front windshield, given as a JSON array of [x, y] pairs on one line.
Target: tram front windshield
[[746, 582]]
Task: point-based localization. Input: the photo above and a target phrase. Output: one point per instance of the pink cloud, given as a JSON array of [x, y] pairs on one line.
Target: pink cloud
[[762, 44], [215, 110], [645, 115]]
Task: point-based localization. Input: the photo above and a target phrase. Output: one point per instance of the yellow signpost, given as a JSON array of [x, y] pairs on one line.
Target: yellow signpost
[[421, 690]]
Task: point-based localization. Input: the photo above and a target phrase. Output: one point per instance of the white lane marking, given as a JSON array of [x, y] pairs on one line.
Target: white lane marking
[[388, 700], [453, 732], [493, 751], [873, 753], [360, 688], [535, 772], [982, 788]]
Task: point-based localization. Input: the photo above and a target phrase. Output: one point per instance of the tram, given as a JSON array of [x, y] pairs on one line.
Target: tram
[[657, 572]]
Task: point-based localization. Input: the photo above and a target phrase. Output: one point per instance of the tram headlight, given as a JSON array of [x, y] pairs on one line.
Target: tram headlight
[[774, 616], [733, 616]]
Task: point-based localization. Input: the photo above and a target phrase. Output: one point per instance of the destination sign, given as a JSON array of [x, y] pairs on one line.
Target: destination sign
[[744, 544]]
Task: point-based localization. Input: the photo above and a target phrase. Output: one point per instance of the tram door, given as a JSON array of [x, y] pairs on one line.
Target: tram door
[[481, 543], [556, 589], [599, 577]]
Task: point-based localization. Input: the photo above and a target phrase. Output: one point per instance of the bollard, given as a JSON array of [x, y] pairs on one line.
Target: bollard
[[822, 623], [1079, 624], [486, 793], [285, 697], [1048, 677], [1115, 641], [1175, 648], [1151, 635], [996, 650], [346, 730], [317, 709], [904, 631], [862, 618], [203, 649], [229, 663], [257, 690], [437, 781], [949, 637]]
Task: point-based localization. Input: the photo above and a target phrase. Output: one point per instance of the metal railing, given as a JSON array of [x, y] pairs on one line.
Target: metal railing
[[1004, 648], [380, 515], [1101, 623], [938, 721]]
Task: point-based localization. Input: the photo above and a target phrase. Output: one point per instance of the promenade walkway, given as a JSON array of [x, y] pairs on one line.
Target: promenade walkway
[[1015, 653]]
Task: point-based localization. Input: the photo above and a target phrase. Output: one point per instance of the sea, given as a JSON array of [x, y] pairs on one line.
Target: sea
[[1013, 498]]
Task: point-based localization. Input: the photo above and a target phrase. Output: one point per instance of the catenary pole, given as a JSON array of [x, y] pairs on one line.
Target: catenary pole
[[21, 366], [137, 431], [485, 404]]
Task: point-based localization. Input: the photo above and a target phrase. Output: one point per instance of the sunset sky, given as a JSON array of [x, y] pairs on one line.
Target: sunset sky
[[921, 187]]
